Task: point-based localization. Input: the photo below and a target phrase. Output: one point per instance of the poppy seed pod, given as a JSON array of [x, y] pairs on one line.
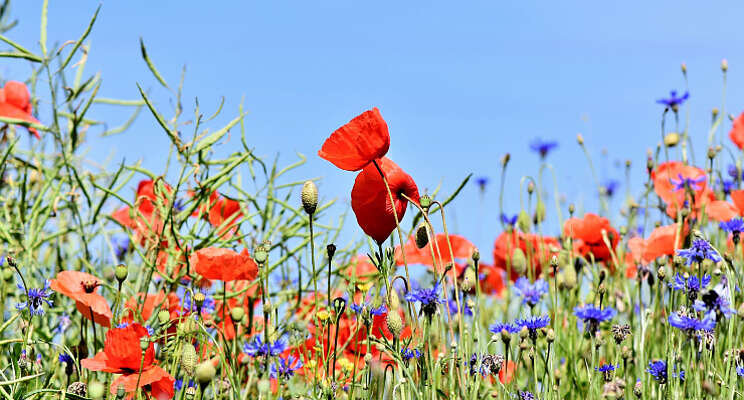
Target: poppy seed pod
[[163, 317], [394, 323], [425, 202], [523, 221], [188, 359], [422, 237], [671, 139], [260, 254], [236, 314], [121, 273], [78, 388], [205, 372], [144, 343], [309, 196]]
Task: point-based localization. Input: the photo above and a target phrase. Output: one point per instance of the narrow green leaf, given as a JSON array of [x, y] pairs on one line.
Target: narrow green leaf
[[80, 41], [43, 33], [125, 126], [117, 102], [151, 65], [216, 136], [26, 56], [15, 45], [171, 134]]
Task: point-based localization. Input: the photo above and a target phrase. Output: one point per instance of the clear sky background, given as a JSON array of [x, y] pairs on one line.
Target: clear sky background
[[459, 83]]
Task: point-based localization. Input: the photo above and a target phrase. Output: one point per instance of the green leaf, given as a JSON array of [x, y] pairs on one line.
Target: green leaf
[[26, 56], [216, 136], [171, 134], [80, 41]]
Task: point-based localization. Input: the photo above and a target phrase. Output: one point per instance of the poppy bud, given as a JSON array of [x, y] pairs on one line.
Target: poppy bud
[[571, 208], [237, 314], [550, 336], [580, 139], [425, 202], [684, 68], [189, 359], [519, 262], [7, 274], [394, 323], [121, 273], [309, 197], [523, 221], [260, 254], [671, 139], [569, 278], [505, 336], [539, 212], [476, 255], [205, 372], [422, 237], [368, 358], [144, 343], [163, 317], [711, 153], [724, 65], [393, 300], [95, 390], [468, 279], [649, 164]]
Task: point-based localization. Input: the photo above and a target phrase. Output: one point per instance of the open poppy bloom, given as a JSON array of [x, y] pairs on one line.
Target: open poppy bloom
[[249, 297], [15, 102], [81, 287], [170, 302], [673, 181], [144, 220], [587, 233], [361, 271], [371, 202], [537, 248], [462, 249], [224, 264], [737, 131], [491, 279], [659, 243], [722, 211], [220, 210], [356, 144], [122, 355]]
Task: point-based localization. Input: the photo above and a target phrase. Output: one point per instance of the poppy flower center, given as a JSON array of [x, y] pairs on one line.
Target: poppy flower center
[[89, 285]]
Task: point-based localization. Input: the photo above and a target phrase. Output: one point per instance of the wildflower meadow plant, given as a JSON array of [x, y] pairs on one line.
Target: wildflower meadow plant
[[224, 275]]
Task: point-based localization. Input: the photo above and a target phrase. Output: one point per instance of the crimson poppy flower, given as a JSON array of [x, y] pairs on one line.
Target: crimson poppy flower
[[15, 102], [462, 249], [723, 211], [248, 299], [371, 202], [82, 287], [219, 210], [587, 233], [170, 302], [491, 281], [541, 248], [146, 220], [224, 264], [122, 355], [737, 131], [356, 144], [671, 182], [659, 243], [361, 271]]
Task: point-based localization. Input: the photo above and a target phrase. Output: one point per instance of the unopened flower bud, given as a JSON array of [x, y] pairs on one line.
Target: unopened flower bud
[[331, 250], [468, 279], [724, 65], [530, 187], [422, 237], [475, 255], [580, 139], [505, 160], [711, 153], [144, 343], [189, 359], [205, 372], [425, 202], [571, 208], [163, 317], [671, 139], [394, 323], [524, 333], [540, 212], [505, 336], [684, 68], [237, 314], [550, 336], [121, 272], [96, 390], [309, 196], [519, 262]]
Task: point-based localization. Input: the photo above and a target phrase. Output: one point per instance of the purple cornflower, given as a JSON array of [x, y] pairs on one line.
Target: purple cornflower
[[682, 183], [692, 285], [543, 147], [285, 368], [533, 324], [690, 324], [658, 369], [257, 347], [525, 395], [429, 299], [366, 305], [610, 186], [726, 186], [63, 322], [121, 246], [65, 358], [699, 251], [740, 371], [482, 181], [531, 293], [36, 299], [408, 353], [673, 101], [734, 173], [606, 370], [178, 384], [507, 220], [500, 326], [592, 316], [735, 227], [714, 302], [452, 304]]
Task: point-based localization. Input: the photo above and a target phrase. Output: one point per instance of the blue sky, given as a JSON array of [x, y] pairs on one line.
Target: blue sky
[[460, 84]]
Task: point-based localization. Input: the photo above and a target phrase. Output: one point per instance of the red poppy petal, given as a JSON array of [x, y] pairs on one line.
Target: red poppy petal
[[356, 144]]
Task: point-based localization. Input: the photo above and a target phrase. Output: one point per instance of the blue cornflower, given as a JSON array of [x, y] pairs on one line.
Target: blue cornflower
[[740, 371], [507, 220], [658, 369], [593, 316], [65, 358], [122, 325], [500, 326], [429, 299], [179, 205], [610, 186], [530, 292], [36, 299], [408, 353], [734, 173], [699, 251], [682, 182], [533, 324], [63, 322], [525, 395], [285, 368], [692, 285], [690, 324], [178, 384], [726, 186], [452, 304], [482, 181], [121, 246], [715, 302], [257, 347], [606, 368], [735, 226], [674, 101], [367, 305], [543, 147]]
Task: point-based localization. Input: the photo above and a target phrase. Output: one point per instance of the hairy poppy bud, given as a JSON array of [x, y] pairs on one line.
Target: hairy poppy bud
[[422, 237], [505, 160], [205, 372], [425, 202], [671, 139], [580, 139], [684, 68], [569, 278], [144, 343], [724, 65], [237, 313], [188, 359], [468, 279], [505, 336], [163, 317], [96, 390], [476, 255], [309, 196], [121, 273], [393, 300], [394, 323], [711, 153], [519, 262], [523, 221], [540, 212], [260, 254]]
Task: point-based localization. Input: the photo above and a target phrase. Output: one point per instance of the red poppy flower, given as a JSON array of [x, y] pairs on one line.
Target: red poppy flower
[[224, 264], [361, 270], [492, 281], [371, 202], [15, 102], [171, 303], [723, 211], [145, 220], [248, 299], [219, 210], [587, 233], [122, 355], [660, 242], [541, 249], [356, 144], [671, 180], [462, 249], [737, 131], [82, 288]]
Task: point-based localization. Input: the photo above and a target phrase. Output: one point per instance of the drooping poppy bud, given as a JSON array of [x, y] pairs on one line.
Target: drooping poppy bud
[[371, 201], [359, 142], [309, 197]]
